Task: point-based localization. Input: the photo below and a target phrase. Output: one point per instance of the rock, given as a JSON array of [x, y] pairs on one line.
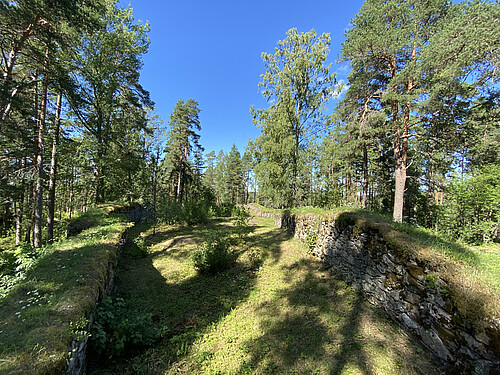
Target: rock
[[398, 286]]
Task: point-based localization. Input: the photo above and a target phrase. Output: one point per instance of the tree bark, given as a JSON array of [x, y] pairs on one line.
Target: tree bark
[[156, 158], [364, 200], [53, 167], [37, 219], [181, 172], [18, 205], [9, 66]]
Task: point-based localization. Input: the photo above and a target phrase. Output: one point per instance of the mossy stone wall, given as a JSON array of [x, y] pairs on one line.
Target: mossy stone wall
[[410, 291]]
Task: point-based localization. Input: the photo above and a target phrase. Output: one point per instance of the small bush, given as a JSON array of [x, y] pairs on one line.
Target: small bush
[[195, 213], [241, 223], [311, 239], [223, 210], [191, 212], [255, 258], [140, 249], [215, 255], [116, 326]]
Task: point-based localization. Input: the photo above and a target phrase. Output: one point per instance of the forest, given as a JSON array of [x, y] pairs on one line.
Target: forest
[[414, 133], [118, 229]]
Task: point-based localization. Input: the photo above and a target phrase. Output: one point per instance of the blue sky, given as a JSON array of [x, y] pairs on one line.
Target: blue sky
[[211, 51]]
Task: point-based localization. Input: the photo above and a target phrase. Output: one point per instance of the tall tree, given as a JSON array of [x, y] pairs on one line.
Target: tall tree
[[386, 39], [220, 178], [298, 84], [248, 163], [53, 169], [110, 102], [234, 175], [209, 175], [182, 143]]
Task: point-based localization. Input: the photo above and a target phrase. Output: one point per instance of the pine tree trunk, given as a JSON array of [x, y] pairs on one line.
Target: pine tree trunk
[[38, 211], [28, 209], [364, 201], [100, 195], [70, 193], [155, 179], [52, 175], [179, 187], [18, 206], [400, 160], [9, 68], [401, 147], [18, 218]]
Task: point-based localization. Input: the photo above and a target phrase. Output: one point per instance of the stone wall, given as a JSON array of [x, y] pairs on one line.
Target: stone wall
[[77, 361], [410, 291]]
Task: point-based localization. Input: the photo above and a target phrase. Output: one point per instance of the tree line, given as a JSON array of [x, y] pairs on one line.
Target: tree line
[[73, 114], [416, 130], [413, 133]]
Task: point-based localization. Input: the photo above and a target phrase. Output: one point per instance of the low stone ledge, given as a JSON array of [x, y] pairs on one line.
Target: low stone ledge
[[407, 289], [77, 360]]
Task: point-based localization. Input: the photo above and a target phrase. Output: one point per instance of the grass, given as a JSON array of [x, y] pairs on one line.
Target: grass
[[59, 289], [481, 262], [276, 311], [487, 264], [471, 273]]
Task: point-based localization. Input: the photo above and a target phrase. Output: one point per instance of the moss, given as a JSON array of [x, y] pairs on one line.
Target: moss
[[61, 288], [431, 279], [452, 263]]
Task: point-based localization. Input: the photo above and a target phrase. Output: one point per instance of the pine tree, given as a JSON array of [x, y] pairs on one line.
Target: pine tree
[[182, 143], [298, 83], [386, 40]]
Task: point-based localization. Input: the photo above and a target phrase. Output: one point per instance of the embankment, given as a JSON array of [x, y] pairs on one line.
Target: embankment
[[430, 295], [44, 318]]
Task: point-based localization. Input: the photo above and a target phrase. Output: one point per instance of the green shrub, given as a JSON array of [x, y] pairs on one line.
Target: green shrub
[[170, 212], [470, 212], [215, 255], [191, 212], [241, 223], [116, 325], [223, 210], [195, 212], [311, 239], [140, 249]]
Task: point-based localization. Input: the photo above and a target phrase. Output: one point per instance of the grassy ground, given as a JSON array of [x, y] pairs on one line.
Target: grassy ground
[[487, 259], [275, 311], [59, 289], [471, 271]]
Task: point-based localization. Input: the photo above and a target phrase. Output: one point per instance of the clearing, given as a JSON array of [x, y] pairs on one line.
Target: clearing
[[275, 311]]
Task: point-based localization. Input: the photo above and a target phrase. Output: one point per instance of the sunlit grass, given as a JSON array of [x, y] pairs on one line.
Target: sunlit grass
[[276, 311], [470, 273], [60, 288]]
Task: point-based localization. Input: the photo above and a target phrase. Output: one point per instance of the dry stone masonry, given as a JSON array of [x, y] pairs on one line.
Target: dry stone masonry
[[408, 290], [77, 359]]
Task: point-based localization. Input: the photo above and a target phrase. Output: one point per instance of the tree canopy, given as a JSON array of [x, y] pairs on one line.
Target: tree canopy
[[413, 133]]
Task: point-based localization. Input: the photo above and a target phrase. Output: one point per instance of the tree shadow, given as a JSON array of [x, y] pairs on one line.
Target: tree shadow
[[318, 324], [298, 334], [314, 324], [165, 285], [269, 242]]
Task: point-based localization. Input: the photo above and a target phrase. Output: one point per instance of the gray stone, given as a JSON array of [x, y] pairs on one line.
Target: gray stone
[[398, 286], [433, 341]]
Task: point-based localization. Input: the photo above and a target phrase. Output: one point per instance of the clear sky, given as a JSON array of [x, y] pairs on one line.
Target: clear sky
[[211, 51]]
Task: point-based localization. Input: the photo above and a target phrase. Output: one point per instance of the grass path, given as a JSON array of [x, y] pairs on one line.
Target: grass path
[[276, 311]]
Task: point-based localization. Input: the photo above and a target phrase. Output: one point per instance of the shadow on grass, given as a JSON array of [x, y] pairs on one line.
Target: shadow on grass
[[165, 284], [61, 287], [299, 337]]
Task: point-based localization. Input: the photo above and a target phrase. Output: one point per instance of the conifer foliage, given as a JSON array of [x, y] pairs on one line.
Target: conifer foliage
[[181, 145], [413, 133]]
